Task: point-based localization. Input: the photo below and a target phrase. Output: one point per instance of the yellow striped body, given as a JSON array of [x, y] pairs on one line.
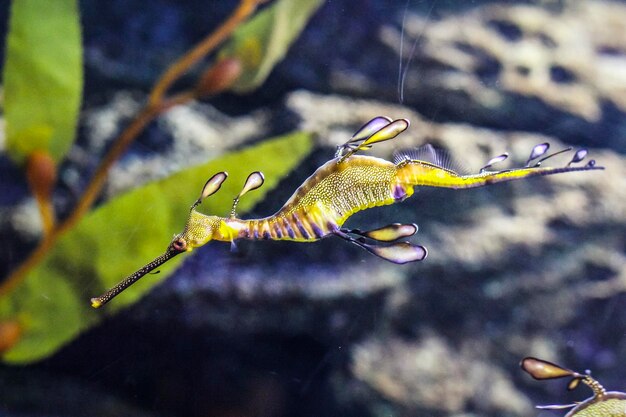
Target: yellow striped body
[[325, 200], [342, 187]]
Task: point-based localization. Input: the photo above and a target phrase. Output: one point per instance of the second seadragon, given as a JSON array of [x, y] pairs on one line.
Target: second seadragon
[[346, 184]]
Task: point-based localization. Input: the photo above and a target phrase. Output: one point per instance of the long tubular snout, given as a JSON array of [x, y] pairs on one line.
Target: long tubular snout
[[97, 302]]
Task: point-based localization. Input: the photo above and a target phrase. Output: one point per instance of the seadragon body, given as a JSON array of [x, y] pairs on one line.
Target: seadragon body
[[341, 187], [337, 190]]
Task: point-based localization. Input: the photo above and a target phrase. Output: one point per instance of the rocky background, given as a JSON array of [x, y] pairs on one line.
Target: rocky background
[[532, 268]]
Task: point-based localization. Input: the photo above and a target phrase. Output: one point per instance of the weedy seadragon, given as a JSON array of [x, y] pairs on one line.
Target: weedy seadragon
[[346, 184], [601, 404]]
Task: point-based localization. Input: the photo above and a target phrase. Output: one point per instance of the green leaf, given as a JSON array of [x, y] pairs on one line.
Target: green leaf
[[52, 303], [264, 40], [43, 77]]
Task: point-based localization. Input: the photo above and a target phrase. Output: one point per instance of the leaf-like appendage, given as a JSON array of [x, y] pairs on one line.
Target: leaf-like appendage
[[255, 180], [541, 369]]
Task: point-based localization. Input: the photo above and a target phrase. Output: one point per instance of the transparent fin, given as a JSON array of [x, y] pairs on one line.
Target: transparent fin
[[432, 155]]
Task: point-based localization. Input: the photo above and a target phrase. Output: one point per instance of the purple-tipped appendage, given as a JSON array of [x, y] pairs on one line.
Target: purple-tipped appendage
[[578, 156], [494, 160], [537, 151]]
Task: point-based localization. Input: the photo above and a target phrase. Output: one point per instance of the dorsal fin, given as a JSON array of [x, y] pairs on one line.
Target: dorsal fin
[[428, 153]]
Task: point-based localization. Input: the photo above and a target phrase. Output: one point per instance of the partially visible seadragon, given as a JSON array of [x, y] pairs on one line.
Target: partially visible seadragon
[[601, 404]]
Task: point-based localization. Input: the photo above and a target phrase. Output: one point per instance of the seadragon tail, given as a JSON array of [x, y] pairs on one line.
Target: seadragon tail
[[428, 166]]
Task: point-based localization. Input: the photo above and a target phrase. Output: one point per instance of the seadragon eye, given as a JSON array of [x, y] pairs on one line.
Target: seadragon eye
[[179, 245]]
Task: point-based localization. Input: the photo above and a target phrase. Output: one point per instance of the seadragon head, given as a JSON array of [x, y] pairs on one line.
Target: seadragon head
[[199, 230]]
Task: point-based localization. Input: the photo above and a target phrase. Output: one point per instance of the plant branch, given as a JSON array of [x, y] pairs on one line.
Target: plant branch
[[48, 217], [175, 71], [157, 104]]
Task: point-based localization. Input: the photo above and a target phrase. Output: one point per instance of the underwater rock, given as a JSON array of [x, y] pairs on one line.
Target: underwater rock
[[186, 135], [430, 375], [522, 66]]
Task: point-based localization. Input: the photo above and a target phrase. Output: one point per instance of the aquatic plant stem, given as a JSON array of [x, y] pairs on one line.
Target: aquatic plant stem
[[41, 175], [156, 105], [175, 71], [46, 211], [145, 116]]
